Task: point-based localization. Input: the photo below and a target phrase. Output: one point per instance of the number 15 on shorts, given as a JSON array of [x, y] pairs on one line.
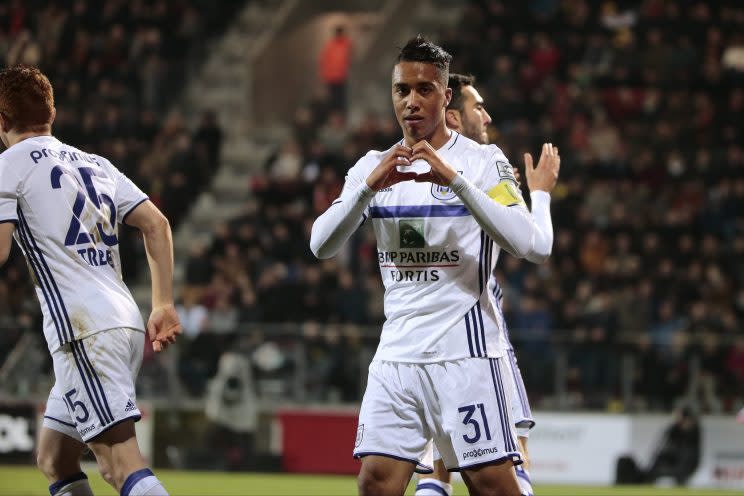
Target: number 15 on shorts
[[470, 415]]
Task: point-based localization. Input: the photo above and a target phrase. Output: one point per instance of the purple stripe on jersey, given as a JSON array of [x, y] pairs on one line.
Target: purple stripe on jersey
[[409, 211], [14, 221], [51, 278], [476, 337], [97, 379], [23, 233], [483, 328], [470, 338], [480, 261]]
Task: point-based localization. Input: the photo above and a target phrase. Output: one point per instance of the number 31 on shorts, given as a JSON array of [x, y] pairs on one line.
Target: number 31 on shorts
[[469, 412]]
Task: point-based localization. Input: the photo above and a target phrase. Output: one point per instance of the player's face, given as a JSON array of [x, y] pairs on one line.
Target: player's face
[[419, 98], [475, 119]]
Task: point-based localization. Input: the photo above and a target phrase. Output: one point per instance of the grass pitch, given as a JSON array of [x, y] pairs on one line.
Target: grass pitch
[[27, 481]]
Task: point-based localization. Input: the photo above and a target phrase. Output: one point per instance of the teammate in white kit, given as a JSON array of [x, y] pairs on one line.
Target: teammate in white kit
[[466, 114], [442, 206], [63, 207]]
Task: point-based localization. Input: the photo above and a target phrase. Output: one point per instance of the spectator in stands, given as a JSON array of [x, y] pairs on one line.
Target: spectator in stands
[[333, 65]]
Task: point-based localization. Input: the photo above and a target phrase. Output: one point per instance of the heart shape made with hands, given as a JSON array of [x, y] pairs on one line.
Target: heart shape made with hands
[[419, 166]]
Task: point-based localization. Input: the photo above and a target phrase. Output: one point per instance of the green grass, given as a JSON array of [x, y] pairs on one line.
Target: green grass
[[21, 480]]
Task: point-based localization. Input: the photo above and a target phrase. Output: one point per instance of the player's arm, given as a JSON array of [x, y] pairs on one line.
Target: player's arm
[[500, 211], [336, 225], [163, 325], [6, 240]]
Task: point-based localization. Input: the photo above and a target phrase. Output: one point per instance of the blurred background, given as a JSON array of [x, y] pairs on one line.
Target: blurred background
[[240, 119]]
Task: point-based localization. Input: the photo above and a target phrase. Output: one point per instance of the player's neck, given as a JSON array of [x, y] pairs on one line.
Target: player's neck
[[437, 139], [15, 138]]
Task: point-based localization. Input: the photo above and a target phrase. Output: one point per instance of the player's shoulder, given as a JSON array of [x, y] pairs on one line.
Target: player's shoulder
[[486, 152]]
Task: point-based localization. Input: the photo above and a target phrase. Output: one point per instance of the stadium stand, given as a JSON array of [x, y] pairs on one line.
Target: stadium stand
[[642, 302]]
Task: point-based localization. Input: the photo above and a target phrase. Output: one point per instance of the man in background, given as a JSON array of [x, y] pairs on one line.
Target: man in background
[[334, 63], [466, 114]]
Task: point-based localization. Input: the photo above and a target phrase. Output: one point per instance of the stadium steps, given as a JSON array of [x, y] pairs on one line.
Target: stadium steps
[[223, 84], [402, 20]]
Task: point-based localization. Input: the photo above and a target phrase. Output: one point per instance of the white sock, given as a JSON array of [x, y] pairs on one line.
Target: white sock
[[432, 487], [143, 483], [77, 485], [523, 477]]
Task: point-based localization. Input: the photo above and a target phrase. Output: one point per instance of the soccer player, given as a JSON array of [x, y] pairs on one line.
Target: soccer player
[[466, 114], [63, 207], [442, 206]]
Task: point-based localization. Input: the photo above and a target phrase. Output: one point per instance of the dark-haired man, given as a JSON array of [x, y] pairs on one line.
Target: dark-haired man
[[63, 206], [441, 206], [467, 115]]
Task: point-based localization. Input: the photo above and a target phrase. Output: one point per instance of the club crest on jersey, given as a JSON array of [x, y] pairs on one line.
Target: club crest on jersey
[[442, 193], [411, 233]]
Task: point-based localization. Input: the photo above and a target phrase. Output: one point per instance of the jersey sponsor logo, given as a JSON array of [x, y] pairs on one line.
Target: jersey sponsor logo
[[419, 257], [478, 452], [359, 435], [411, 233], [67, 155], [88, 429]]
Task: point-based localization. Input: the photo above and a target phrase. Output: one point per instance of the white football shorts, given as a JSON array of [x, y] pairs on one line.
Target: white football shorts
[[518, 403], [461, 405], [94, 385]]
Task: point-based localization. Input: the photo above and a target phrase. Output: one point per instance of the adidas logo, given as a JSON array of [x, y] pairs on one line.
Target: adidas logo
[[130, 406]]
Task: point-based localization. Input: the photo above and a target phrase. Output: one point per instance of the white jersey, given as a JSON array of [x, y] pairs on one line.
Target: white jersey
[[66, 205], [436, 262]]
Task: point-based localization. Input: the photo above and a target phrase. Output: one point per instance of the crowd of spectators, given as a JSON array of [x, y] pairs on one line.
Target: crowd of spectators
[[645, 284], [644, 100], [114, 65]]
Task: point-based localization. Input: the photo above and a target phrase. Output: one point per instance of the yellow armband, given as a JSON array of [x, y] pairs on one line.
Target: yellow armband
[[506, 193]]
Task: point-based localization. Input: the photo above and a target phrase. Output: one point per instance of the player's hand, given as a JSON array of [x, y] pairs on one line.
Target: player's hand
[[441, 172], [163, 327], [386, 173], [545, 175]]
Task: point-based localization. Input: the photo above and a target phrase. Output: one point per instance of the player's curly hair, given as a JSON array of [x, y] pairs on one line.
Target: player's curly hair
[[420, 49], [26, 98]]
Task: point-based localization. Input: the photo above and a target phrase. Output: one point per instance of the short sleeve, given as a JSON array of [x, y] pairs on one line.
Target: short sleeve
[[127, 195], [9, 185]]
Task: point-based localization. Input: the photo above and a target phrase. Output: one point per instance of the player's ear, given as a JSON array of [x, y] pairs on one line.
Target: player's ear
[[53, 116], [447, 97], [453, 119]]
